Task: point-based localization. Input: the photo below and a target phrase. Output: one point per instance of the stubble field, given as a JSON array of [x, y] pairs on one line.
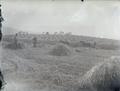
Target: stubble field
[[35, 69]]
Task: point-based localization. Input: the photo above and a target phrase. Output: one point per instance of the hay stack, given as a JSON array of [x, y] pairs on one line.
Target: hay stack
[[103, 77], [13, 46], [60, 50]]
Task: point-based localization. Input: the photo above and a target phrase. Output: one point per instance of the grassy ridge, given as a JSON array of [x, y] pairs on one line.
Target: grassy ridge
[[34, 69]]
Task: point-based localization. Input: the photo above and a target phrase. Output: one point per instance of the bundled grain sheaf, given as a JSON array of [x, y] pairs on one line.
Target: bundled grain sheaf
[[15, 44], [103, 77], [60, 50]]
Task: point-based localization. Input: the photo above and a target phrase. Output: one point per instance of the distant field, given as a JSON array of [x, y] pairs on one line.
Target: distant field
[[70, 40], [33, 69]]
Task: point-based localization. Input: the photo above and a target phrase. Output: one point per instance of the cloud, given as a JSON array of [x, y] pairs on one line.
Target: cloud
[[99, 19]]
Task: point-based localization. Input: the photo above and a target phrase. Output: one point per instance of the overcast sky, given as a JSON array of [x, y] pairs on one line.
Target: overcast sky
[[92, 18]]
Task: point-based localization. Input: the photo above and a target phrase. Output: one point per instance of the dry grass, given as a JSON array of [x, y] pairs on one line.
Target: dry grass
[[60, 50], [38, 71], [103, 77]]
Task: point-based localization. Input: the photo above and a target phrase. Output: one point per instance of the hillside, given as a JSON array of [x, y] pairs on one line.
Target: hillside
[[70, 40], [34, 69]]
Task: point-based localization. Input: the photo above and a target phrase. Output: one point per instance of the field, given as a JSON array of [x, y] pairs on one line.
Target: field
[[35, 69]]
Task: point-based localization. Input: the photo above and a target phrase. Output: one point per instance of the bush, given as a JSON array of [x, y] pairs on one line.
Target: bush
[[103, 77], [60, 50]]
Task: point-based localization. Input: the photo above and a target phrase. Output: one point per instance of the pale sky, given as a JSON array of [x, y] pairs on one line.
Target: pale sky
[[91, 18]]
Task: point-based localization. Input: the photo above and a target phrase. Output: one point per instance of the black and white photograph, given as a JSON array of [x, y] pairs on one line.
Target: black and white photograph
[[59, 45]]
